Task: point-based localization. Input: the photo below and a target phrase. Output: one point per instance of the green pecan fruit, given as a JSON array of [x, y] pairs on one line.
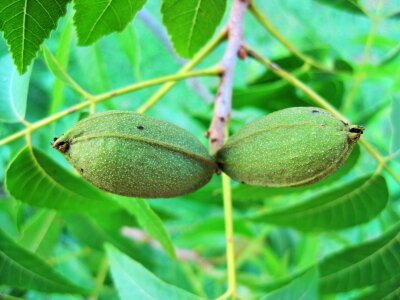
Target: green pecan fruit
[[290, 147], [130, 154]]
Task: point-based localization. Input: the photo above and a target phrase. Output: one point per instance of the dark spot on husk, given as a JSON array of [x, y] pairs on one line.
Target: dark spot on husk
[[345, 123], [82, 170], [140, 127], [322, 125], [315, 111], [356, 130]]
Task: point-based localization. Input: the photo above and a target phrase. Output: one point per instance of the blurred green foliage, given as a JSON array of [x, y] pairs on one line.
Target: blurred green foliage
[[357, 40]]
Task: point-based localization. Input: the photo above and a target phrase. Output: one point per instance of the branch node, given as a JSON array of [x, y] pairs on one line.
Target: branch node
[[242, 54]]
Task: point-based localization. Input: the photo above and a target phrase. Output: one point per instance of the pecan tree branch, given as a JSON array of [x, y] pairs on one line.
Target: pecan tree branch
[[222, 106]]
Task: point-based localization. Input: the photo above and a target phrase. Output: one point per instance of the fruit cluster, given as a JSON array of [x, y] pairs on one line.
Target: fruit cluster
[[134, 155]]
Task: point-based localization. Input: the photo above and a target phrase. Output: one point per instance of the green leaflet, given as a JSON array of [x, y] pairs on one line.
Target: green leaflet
[[26, 24], [350, 205], [32, 177], [94, 19], [133, 281], [191, 24], [13, 91], [369, 263], [304, 287], [22, 269], [149, 221]]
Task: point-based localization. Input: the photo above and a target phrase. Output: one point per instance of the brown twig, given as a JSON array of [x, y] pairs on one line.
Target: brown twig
[[222, 106]]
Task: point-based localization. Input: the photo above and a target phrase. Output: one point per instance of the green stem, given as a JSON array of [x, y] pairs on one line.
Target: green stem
[[106, 96], [230, 243], [190, 65], [320, 102], [174, 78], [229, 233], [272, 30], [101, 276]]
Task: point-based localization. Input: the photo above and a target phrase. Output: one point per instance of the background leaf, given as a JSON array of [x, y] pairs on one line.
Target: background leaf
[[134, 281], [369, 263], [57, 69], [149, 221], [34, 178], [26, 24], [389, 290], [40, 234], [105, 228], [352, 6], [13, 91], [352, 204], [22, 269], [304, 287], [94, 19], [395, 119], [191, 24], [62, 55]]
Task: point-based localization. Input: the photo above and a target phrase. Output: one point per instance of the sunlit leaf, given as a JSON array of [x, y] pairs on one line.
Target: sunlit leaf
[[133, 281], [26, 24], [304, 287], [352, 204], [32, 177], [366, 264], [24, 270], [191, 24], [149, 221], [94, 19], [13, 91]]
